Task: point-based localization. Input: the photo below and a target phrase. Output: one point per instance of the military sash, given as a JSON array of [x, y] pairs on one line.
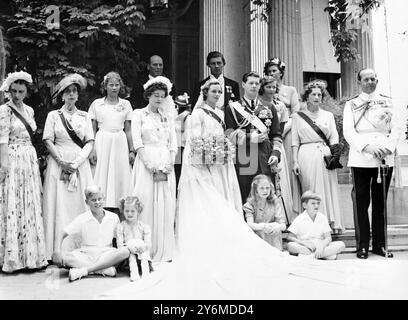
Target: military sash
[[251, 118]]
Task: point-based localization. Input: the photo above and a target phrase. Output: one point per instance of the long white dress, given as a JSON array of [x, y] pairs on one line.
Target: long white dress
[[63, 201], [221, 177], [313, 173], [220, 257], [156, 134], [112, 172]]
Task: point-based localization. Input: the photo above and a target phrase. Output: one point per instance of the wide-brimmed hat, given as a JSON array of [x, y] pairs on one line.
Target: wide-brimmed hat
[[12, 77], [182, 100], [73, 78]]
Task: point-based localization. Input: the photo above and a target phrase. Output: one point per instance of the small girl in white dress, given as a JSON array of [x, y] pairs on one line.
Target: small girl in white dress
[[263, 211], [135, 235]]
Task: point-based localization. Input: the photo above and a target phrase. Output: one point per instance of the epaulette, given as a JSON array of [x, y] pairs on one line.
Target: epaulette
[[383, 95], [356, 96]]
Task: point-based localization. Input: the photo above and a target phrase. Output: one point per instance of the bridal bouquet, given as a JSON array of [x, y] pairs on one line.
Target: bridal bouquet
[[211, 150]]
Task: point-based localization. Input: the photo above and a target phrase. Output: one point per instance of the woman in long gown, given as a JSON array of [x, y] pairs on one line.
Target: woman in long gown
[[153, 180], [308, 152], [290, 98], [207, 121], [68, 170], [267, 94], [113, 152], [22, 244]]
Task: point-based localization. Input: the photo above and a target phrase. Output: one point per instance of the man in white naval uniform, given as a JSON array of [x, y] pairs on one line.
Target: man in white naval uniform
[[372, 126]]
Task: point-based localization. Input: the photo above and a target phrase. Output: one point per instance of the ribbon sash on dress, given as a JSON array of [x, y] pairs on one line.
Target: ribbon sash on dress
[[216, 117], [24, 121], [314, 127], [71, 133]]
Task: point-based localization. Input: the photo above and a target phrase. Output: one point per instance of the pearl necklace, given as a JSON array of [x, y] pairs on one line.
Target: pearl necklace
[[70, 112], [68, 121]]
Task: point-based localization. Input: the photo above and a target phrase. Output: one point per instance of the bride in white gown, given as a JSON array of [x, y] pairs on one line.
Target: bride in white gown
[[219, 256]]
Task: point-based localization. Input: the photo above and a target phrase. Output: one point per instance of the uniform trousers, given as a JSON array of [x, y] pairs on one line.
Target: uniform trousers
[[366, 190]]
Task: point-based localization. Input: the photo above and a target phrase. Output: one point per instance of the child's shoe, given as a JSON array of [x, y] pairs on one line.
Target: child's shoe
[[333, 257], [134, 275], [109, 272], [77, 273]]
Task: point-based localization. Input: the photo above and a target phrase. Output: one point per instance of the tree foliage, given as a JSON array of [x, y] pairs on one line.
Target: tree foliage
[[87, 37], [342, 13]]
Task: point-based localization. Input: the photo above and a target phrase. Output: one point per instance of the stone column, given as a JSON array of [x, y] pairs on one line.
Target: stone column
[[285, 39], [224, 27], [259, 39], [211, 31], [2, 63], [350, 69]]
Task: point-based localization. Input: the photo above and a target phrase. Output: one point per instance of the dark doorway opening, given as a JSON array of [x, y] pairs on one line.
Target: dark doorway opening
[[330, 78]]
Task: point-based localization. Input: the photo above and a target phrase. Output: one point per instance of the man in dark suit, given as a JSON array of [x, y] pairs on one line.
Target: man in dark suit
[[216, 63], [155, 69], [255, 129]]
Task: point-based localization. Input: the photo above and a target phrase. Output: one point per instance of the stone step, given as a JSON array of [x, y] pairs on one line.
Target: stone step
[[397, 237], [404, 160], [352, 250]]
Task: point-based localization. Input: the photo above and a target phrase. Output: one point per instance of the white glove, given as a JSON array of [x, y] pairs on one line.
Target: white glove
[[257, 137]]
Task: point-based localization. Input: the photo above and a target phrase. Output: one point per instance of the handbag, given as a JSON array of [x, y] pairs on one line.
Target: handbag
[[333, 160], [159, 176]]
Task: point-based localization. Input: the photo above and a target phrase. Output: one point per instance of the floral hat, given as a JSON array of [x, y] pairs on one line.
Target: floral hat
[[12, 77], [159, 79], [73, 78]]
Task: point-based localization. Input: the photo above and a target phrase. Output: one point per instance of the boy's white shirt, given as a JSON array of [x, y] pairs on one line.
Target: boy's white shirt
[[93, 233], [306, 229]]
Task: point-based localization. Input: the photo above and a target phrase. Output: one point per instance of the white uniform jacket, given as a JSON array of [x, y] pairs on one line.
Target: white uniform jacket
[[371, 119]]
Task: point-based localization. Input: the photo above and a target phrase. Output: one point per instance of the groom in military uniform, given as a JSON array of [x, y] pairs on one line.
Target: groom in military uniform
[[255, 129], [372, 126]]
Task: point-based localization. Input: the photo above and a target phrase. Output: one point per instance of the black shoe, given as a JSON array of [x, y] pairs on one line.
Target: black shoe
[[362, 253], [382, 252]]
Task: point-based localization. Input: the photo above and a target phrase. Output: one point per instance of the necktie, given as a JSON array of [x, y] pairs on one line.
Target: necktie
[[253, 104]]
